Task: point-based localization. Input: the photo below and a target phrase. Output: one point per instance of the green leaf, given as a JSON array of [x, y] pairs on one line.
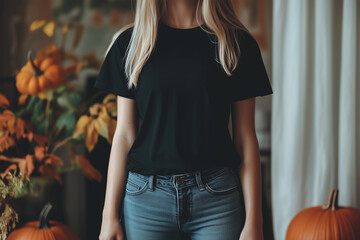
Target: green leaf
[[66, 120], [60, 89], [69, 100], [32, 102], [38, 111], [40, 126]]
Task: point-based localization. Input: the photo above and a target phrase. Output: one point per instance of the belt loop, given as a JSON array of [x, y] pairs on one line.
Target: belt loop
[[199, 180], [151, 182]]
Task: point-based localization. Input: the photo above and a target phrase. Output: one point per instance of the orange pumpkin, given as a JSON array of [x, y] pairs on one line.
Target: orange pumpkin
[[39, 76], [52, 51], [326, 222], [43, 229]]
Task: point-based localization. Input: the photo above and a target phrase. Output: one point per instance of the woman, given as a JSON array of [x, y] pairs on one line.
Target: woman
[[182, 67]]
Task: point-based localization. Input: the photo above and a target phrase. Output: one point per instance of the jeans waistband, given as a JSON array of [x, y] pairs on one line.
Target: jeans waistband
[[184, 179]]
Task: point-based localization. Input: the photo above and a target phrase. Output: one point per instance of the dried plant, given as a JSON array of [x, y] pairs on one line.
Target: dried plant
[[12, 186]]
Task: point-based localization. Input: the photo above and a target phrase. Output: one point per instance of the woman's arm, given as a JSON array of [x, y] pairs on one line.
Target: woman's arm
[[246, 144], [126, 128]]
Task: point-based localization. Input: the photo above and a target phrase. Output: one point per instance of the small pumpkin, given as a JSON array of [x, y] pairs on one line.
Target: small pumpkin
[[39, 76], [329, 221], [43, 229], [51, 51]]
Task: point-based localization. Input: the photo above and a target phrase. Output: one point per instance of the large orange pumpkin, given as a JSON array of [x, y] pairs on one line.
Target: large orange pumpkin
[[330, 222], [39, 75], [43, 229]]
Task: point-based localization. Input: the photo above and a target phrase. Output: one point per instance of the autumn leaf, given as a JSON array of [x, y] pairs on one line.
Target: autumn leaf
[[50, 171], [26, 166], [30, 136], [9, 168], [4, 100], [53, 159], [86, 126], [95, 109], [101, 122], [29, 164], [37, 24], [22, 99], [40, 139], [88, 169], [65, 28], [6, 142], [80, 127], [20, 128], [110, 103], [7, 122], [74, 68], [49, 28], [40, 152], [105, 125], [91, 136]]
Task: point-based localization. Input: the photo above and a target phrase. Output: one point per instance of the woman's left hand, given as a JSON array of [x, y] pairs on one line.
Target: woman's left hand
[[252, 232]]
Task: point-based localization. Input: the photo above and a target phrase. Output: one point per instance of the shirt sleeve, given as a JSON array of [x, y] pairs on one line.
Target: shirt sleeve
[[111, 77], [249, 78]]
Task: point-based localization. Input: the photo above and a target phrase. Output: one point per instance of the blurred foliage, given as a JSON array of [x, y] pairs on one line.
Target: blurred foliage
[[51, 112]]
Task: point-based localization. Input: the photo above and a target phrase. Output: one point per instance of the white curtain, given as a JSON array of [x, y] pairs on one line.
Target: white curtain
[[316, 106]]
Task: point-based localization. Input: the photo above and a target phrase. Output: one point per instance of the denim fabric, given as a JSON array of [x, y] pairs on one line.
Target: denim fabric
[[199, 205]]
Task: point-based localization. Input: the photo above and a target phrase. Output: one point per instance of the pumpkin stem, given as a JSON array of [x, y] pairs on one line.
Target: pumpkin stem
[[332, 202], [43, 222], [328, 203], [37, 71]]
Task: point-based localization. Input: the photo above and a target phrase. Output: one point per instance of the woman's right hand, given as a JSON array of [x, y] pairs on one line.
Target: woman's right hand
[[111, 229]]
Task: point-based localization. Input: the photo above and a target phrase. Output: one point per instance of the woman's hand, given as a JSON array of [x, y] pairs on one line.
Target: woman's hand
[[252, 231], [111, 229]]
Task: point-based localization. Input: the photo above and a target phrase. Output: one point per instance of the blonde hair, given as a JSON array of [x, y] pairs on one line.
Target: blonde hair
[[218, 17]]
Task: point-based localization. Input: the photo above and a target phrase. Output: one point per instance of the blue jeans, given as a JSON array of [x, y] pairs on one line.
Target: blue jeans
[[199, 205]]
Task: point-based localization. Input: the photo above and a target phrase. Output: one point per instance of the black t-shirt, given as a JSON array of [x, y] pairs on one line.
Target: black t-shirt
[[183, 98]]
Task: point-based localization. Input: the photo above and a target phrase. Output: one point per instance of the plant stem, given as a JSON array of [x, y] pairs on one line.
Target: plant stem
[[47, 114], [63, 40], [11, 159], [332, 202], [37, 70], [59, 144]]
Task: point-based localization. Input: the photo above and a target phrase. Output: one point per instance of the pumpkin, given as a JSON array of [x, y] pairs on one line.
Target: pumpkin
[[329, 221], [39, 76], [43, 229], [53, 52]]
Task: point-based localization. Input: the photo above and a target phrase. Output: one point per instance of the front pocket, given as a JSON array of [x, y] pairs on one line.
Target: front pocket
[[135, 185], [223, 183]]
